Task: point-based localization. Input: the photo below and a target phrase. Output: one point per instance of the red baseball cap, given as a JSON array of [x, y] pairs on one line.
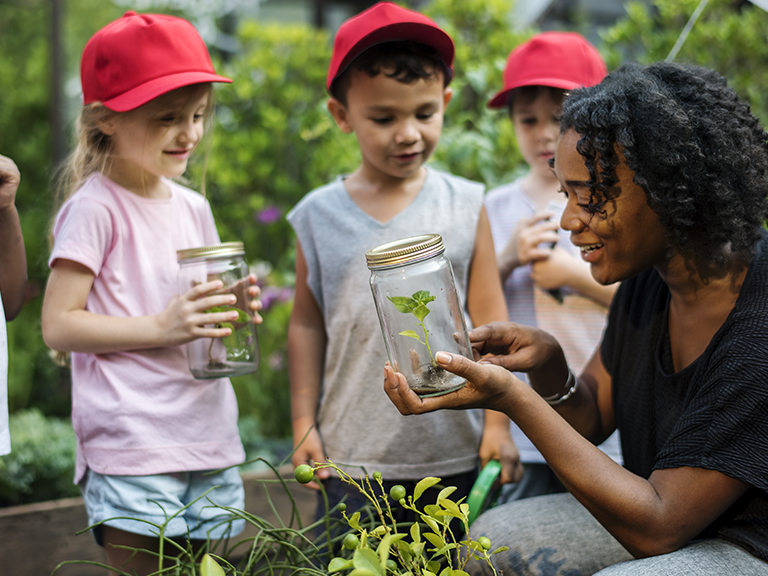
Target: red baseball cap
[[140, 57], [386, 22], [558, 59]]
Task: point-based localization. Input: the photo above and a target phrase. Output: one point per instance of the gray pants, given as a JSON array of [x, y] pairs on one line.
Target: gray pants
[[554, 535]]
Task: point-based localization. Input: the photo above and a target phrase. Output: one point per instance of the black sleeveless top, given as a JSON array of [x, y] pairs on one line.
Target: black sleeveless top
[[714, 413]]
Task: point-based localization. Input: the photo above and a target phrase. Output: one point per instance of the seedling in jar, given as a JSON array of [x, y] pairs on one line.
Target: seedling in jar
[[416, 305], [232, 341]]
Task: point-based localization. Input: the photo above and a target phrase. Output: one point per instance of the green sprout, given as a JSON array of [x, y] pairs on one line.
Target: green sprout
[[416, 305]]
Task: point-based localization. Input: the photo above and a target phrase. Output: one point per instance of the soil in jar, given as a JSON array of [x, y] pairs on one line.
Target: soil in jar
[[431, 380]]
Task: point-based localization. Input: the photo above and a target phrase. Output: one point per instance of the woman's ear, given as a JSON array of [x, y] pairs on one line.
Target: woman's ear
[[340, 115]]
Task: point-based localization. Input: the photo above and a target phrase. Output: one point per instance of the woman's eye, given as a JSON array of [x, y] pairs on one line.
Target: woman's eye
[[426, 116], [167, 119], [561, 191], [529, 120], [198, 117], [381, 120]]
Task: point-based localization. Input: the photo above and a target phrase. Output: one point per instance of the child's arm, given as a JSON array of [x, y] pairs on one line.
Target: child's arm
[[69, 327], [13, 258], [561, 269], [485, 302], [306, 356]]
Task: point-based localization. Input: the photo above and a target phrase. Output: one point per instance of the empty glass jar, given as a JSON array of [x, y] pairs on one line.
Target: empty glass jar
[[419, 310], [237, 353]]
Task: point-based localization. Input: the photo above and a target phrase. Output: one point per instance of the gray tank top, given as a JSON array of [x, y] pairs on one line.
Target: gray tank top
[[359, 426]]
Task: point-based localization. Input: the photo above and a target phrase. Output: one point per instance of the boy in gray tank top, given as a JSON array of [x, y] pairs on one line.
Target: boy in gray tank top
[[388, 81]]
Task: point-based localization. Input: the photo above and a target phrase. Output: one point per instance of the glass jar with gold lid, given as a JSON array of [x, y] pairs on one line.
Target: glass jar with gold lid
[[237, 353], [419, 310]]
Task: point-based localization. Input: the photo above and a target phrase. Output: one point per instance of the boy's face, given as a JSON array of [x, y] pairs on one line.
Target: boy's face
[[537, 130], [397, 125]]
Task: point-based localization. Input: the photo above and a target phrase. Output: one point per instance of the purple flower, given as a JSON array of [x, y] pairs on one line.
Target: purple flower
[[271, 295], [269, 215]]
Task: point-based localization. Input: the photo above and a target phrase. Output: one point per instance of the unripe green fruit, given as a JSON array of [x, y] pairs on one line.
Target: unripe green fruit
[[342, 507], [351, 542], [484, 542], [304, 474], [377, 476], [397, 492]]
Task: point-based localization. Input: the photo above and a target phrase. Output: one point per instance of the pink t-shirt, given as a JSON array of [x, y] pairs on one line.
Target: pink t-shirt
[[141, 412]]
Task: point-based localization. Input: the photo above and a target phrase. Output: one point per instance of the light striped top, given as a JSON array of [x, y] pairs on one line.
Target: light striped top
[[577, 322]]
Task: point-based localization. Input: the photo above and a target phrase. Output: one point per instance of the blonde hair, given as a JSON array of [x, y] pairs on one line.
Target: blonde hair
[[93, 153]]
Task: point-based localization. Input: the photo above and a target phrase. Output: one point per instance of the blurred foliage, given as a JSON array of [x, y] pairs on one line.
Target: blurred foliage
[[42, 463], [478, 143], [730, 37]]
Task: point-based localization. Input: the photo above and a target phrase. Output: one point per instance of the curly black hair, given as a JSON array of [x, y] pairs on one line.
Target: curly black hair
[[696, 150]]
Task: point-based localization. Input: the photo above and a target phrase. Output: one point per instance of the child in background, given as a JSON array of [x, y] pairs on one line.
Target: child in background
[[546, 283], [388, 81], [13, 279], [146, 429]]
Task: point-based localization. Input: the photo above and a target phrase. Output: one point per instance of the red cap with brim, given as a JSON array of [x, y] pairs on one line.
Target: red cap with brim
[[386, 22], [140, 57], [557, 59]]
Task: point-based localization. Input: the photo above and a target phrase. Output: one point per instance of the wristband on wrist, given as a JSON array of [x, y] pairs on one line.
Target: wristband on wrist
[[571, 385]]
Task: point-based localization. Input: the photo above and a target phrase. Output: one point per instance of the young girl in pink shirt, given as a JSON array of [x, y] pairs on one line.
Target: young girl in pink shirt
[[146, 429]]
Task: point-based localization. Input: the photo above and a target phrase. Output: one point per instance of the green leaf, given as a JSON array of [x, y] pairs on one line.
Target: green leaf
[[464, 507], [500, 549], [405, 550], [226, 325], [431, 523], [354, 521], [445, 492], [435, 539], [450, 506], [363, 572], [386, 542], [410, 334], [424, 484], [209, 567], [421, 311], [423, 296], [338, 564], [215, 309], [403, 303], [415, 532], [435, 511], [459, 573], [417, 548], [366, 559]]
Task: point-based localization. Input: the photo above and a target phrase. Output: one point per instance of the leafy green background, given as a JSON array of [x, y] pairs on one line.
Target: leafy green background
[[272, 143]]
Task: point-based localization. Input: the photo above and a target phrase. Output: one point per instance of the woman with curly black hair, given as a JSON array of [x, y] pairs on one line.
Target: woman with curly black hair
[[666, 175]]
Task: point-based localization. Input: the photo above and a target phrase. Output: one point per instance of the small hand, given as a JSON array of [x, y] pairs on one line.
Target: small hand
[[309, 450], [487, 386], [532, 234], [10, 177], [185, 319]]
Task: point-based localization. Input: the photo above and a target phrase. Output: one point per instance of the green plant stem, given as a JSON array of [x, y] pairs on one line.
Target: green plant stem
[[426, 343]]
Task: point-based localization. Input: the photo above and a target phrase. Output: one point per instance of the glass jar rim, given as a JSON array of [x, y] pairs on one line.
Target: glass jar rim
[[405, 251], [213, 251]]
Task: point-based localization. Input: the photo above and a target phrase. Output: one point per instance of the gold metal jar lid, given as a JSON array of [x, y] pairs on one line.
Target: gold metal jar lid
[[214, 251], [405, 251]]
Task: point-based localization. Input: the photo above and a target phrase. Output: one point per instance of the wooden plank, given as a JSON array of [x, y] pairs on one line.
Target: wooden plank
[[37, 537]]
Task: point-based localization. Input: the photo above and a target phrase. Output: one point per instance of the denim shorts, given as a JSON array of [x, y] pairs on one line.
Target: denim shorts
[[178, 501]]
